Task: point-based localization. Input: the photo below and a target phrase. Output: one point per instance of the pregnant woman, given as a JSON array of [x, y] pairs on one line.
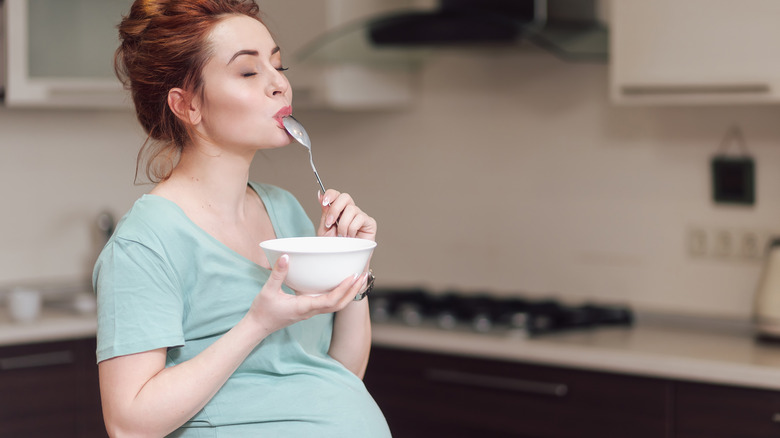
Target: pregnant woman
[[197, 336]]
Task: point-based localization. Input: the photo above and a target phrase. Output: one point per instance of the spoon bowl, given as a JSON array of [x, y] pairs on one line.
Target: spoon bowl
[[296, 130]]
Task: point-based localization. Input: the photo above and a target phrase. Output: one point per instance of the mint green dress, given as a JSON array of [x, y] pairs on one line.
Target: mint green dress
[[163, 282]]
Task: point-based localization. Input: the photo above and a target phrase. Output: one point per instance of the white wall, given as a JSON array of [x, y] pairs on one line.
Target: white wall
[[512, 174], [59, 171]]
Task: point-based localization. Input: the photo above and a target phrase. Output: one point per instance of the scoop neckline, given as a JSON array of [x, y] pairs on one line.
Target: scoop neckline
[[261, 193]]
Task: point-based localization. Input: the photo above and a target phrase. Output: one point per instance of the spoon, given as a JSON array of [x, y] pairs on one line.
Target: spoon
[[295, 129]]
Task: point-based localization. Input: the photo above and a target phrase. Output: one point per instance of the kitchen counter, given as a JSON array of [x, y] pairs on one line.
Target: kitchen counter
[[52, 325], [709, 353]]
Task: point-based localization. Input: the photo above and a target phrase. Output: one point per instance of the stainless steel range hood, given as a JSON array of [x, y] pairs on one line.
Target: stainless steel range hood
[[404, 39]]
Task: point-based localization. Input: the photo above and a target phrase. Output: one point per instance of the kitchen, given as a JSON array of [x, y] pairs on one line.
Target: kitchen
[[511, 172]]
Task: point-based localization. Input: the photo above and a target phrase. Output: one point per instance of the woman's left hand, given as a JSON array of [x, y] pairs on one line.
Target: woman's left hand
[[341, 217]]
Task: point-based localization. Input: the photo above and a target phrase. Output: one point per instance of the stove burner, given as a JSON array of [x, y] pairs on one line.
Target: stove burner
[[485, 313]]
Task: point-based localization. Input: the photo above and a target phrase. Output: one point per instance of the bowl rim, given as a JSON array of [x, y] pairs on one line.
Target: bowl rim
[[367, 245]]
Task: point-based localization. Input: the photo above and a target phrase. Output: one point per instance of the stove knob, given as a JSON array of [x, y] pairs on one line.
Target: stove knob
[[447, 320], [482, 323], [410, 314], [541, 324], [380, 309], [518, 320]]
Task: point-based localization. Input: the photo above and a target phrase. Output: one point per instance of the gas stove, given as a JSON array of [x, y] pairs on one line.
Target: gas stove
[[484, 313]]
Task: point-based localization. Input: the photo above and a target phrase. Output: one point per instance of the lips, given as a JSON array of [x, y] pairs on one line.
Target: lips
[[282, 113]]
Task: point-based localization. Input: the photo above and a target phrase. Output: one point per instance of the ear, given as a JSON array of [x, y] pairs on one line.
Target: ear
[[183, 106]]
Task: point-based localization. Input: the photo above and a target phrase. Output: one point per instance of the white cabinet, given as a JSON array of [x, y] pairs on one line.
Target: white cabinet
[[695, 51], [60, 53]]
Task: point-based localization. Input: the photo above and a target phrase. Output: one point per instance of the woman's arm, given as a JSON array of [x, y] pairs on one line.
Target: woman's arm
[[351, 341], [143, 398]]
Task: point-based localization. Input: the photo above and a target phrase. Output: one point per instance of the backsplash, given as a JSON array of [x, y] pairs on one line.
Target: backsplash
[[511, 174]]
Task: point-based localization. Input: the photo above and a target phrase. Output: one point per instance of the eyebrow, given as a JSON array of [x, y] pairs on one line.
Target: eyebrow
[[251, 52]]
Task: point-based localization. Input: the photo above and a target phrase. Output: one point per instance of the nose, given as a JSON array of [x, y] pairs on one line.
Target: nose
[[278, 85]]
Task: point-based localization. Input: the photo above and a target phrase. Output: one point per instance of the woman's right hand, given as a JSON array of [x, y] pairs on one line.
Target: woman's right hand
[[274, 309]]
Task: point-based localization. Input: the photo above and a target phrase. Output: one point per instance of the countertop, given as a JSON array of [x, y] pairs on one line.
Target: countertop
[[710, 353], [51, 325], [727, 354]]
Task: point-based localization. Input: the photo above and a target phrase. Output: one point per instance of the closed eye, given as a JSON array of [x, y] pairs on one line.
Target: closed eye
[[246, 75]]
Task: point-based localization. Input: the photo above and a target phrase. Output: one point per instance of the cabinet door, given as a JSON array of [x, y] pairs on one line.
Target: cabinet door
[[710, 411], [424, 395], [50, 389], [38, 383], [42, 426], [60, 53], [90, 418], [695, 51]]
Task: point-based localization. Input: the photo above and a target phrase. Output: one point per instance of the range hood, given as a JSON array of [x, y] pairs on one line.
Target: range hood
[[404, 39]]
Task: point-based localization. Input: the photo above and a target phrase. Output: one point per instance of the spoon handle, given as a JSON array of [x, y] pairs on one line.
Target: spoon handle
[[320, 182], [317, 175]]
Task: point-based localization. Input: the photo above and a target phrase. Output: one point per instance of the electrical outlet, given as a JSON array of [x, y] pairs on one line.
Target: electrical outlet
[[697, 242], [722, 242], [727, 243], [750, 244]]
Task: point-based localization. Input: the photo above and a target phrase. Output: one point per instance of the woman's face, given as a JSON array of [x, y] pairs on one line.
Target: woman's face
[[245, 94]]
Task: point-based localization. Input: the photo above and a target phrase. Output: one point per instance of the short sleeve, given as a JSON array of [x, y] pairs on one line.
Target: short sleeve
[[140, 306]]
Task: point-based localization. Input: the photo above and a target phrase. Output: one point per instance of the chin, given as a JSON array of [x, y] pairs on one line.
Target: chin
[[279, 144], [273, 140]]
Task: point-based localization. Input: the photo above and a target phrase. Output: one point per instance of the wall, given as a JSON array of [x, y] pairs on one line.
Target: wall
[[59, 170], [511, 174]]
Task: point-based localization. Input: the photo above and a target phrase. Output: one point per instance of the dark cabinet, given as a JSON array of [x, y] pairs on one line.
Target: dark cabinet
[[431, 394], [50, 389], [425, 395], [713, 411]]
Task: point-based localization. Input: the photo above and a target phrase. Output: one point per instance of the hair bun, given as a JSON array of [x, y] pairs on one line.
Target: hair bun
[[138, 20]]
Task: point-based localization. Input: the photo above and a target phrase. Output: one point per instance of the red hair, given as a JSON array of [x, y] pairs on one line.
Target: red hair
[[164, 45]]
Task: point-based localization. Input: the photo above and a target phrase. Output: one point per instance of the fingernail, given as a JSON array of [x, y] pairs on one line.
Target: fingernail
[[284, 260], [325, 202], [329, 221], [319, 194]]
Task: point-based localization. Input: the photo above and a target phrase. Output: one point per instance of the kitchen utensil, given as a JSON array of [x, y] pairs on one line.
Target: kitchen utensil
[[297, 132], [766, 306], [318, 264]]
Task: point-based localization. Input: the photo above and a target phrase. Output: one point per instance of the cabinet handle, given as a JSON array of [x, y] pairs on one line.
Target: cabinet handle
[[36, 360], [492, 382], [666, 90]]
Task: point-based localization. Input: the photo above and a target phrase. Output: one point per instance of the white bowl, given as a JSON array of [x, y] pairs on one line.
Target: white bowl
[[319, 264]]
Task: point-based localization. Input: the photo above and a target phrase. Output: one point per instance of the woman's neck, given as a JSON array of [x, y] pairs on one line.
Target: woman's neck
[[214, 182]]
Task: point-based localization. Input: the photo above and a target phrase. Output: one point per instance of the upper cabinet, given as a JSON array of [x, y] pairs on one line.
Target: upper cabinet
[[60, 53], [695, 51]]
